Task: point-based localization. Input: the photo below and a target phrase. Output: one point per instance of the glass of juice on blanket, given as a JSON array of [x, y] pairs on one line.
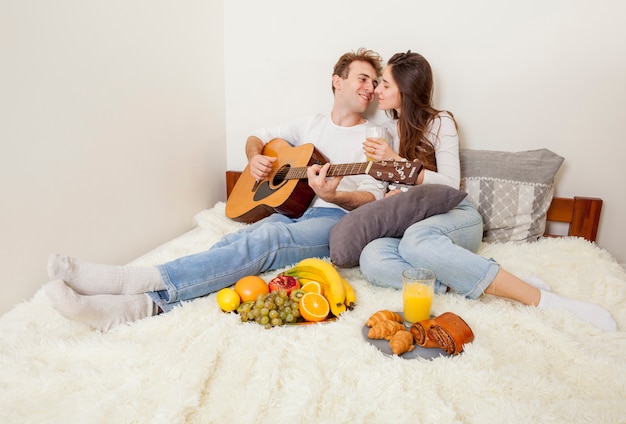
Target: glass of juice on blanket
[[418, 288], [375, 134]]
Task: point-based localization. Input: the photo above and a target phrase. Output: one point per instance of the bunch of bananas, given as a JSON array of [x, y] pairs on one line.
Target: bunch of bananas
[[335, 288]]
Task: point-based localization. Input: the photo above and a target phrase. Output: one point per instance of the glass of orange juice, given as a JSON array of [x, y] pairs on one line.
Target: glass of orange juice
[[418, 289]]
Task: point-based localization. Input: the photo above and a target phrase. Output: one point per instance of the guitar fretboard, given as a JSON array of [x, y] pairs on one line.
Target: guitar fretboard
[[299, 172]]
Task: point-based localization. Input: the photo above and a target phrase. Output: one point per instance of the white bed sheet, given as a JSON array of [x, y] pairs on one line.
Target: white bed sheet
[[197, 364]]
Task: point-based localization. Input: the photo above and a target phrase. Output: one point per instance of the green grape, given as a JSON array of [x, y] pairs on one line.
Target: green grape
[[259, 303], [287, 309], [290, 318], [264, 320], [250, 315], [273, 313], [264, 311], [279, 301], [276, 321], [282, 293]]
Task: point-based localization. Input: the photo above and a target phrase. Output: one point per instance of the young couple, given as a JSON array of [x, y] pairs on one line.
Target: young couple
[[104, 296]]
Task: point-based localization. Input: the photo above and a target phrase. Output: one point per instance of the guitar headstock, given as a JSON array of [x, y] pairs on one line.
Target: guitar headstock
[[399, 172]]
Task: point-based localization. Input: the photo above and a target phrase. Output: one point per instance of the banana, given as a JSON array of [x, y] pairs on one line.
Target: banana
[[303, 280], [324, 273], [350, 294]]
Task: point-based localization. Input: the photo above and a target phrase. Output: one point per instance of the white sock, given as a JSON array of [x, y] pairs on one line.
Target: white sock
[[103, 311], [590, 312], [90, 279], [537, 283]]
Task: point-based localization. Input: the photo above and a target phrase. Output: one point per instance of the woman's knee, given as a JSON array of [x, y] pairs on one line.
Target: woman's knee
[[369, 256], [376, 252]]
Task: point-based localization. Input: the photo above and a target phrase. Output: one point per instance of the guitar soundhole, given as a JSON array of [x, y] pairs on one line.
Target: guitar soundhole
[[280, 175], [266, 189]]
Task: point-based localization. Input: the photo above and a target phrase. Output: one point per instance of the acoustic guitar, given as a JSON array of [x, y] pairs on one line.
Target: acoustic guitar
[[286, 190]]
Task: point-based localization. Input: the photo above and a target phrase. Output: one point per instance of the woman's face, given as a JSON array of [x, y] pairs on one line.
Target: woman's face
[[388, 92]]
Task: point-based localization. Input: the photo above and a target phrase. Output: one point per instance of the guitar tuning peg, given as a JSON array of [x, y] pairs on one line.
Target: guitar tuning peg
[[392, 186], [380, 185], [404, 189]]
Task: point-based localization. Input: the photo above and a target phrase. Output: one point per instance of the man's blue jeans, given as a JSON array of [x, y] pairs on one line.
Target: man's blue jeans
[[271, 243]]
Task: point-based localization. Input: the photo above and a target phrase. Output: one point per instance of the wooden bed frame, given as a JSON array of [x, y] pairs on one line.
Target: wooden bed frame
[[580, 214]]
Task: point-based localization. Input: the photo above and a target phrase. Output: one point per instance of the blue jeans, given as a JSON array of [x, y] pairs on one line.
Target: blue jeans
[[271, 243], [444, 243]]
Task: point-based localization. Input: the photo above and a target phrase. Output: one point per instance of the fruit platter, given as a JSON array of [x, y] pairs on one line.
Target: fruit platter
[[312, 291]]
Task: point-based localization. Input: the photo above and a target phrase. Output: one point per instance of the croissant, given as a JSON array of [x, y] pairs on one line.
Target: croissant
[[383, 315], [401, 342], [385, 329]]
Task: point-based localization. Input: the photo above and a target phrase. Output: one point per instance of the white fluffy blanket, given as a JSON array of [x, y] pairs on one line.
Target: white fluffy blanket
[[199, 365]]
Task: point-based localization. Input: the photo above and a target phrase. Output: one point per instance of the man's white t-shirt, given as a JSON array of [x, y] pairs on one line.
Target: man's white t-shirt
[[339, 144]]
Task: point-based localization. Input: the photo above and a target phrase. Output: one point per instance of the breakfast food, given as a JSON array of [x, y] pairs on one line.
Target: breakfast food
[[420, 334], [382, 316], [385, 329], [401, 342]]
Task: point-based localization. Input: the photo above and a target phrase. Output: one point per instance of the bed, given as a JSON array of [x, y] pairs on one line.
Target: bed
[[197, 364]]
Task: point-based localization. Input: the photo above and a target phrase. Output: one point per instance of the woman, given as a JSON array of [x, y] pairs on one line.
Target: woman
[[445, 243]]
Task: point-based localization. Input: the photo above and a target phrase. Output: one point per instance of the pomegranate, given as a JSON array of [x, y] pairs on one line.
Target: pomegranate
[[283, 282]]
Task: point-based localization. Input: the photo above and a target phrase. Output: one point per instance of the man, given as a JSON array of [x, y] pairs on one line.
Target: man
[[104, 296]]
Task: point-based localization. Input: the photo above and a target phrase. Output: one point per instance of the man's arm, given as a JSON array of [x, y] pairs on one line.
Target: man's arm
[[326, 189], [260, 166], [350, 200]]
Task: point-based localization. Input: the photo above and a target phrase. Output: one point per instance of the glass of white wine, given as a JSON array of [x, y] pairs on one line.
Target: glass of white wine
[[375, 134]]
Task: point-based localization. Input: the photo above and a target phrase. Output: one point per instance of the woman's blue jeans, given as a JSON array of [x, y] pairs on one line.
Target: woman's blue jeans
[[444, 243], [271, 243]]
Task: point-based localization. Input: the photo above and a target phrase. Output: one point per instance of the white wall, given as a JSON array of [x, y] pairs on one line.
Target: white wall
[[517, 75], [112, 129], [112, 115]]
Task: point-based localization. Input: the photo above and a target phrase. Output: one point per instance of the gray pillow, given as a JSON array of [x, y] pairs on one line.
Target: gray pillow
[[388, 217], [512, 190]]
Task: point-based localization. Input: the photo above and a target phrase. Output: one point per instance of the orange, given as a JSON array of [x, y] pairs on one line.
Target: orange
[[250, 287], [228, 299], [314, 307], [312, 287]]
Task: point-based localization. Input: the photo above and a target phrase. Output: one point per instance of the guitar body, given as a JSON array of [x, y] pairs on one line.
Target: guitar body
[[252, 200], [286, 189]]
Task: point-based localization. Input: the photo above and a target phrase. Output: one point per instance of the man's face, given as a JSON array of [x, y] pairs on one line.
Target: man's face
[[357, 91]]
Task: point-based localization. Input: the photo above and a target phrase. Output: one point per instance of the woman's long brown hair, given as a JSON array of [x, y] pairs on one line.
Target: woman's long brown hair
[[414, 77]]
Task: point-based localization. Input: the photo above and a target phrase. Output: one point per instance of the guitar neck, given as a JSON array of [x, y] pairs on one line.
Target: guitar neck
[[299, 172]]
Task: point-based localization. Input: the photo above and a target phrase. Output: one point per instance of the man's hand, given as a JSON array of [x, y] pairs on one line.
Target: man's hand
[[261, 166], [325, 187]]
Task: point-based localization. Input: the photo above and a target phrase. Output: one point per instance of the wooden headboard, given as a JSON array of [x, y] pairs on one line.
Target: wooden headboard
[[581, 214]]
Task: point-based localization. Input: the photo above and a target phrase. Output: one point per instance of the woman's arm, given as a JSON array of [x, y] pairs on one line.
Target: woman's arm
[[445, 139]]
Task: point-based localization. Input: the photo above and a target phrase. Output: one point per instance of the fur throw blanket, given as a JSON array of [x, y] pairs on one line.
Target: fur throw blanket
[[197, 364]]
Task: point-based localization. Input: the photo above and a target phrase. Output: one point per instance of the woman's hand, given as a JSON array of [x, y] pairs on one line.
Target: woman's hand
[[393, 192], [378, 149]]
